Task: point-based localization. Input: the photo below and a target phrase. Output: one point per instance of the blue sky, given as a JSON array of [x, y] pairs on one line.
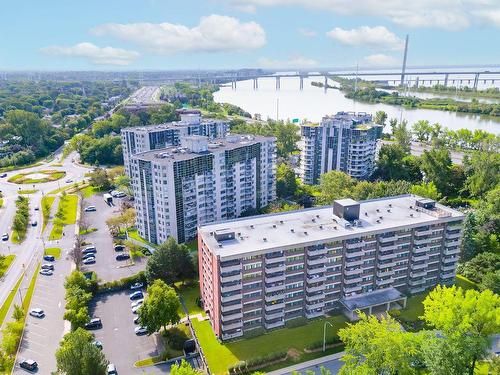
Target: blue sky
[[192, 34]]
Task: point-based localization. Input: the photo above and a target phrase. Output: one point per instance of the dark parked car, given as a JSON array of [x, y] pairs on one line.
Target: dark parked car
[[49, 258], [29, 364], [94, 323], [47, 266], [136, 295], [122, 257], [119, 247]]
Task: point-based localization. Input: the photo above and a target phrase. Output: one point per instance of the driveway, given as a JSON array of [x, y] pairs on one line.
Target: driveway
[[106, 266]]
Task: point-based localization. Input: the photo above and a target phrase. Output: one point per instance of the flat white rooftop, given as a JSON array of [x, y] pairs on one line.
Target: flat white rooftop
[[264, 233]]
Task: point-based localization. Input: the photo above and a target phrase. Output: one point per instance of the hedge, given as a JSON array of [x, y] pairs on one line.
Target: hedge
[[123, 283], [255, 363]]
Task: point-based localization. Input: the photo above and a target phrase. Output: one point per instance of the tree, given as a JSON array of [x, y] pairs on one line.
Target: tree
[[160, 308], [427, 190], [465, 321], [286, 181], [394, 163], [334, 185], [380, 118], [402, 135], [482, 172], [422, 130], [480, 265], [185, 369], [378, 346], [491, 281], [77, 355], [170, 262], [99, 178], [436, 166]]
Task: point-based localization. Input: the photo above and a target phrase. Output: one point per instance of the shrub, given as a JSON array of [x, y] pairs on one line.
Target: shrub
[[122, 283], [175, 338], [319, 344], [394, 313], [297, 322]]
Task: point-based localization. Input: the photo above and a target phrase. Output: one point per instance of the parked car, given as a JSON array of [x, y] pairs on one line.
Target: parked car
[[135, 286], [94, 323], [89, 261], [138, 302], [136, 320], [89, 250], [98, 344], [69, 181], [120, 194], [47, 266], [135, 309], [90, 209], [112, 369], [88, 255], [140, 330], [3, 175], [122, 257], [5, 237], [119, 247], [136, 295], [46, 272], [37, 208], [29, 364], [49, 258], [37, 313], [34, 223]]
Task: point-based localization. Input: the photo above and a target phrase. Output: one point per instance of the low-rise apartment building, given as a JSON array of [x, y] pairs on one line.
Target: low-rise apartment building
[[259, 272], [136, 140], [201, 181], [345, 142]]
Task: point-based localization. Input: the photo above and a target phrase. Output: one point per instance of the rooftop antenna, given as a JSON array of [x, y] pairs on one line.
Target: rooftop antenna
[[404, 61]]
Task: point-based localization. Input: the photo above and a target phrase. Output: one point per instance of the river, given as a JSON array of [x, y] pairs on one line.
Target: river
[[312, 103]]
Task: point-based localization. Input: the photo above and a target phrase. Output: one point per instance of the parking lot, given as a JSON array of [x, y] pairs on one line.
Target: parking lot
[[120, 343], [42, 335], [106, 266]]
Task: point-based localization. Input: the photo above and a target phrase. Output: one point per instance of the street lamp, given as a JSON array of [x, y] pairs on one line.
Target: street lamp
[[324, 333]]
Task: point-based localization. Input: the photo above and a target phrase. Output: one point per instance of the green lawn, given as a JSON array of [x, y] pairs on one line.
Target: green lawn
[[189, 293], [55, 251], [87, 231], [14, 237], [89, 191], [465, 283], [50, 175], [46, 206], [132, 233], [4, 309], [221, 356], [67, 207], [1, 202], [4, 266], [27, 191]]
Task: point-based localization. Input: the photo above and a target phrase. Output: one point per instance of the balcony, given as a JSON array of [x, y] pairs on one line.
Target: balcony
[[274, 297], [388, 248], [231, 307], [275, 306], [274, 324], [420, 250], [352, 289], [419, 273], [230, 277], [230, 268], [275, 278], [422, 241], [228, 327], [354, 262], [354, 245], [316, 279], [314, 271], [448, 251], [418, 266], [423, 232], [416, 282], [354, 254], [351, 272], [275, 259], [452, 236], [419, 257], [228, 318], [385, 272], [447, 275], [456, 242], [274, 269], [448, 267], [313, 314], [384, 239], [387, 281], [275, 288], [319, 304], [353, 280], [313, 252], [315, 297], [317, 288], [234, 297], [386, 256], [230, 288], [315, 261]]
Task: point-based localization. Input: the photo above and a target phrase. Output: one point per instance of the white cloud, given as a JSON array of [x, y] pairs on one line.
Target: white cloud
[[379, 59], [377, 37], [304, 31], [490, 17], [445, 14], [294, 62], [94, 54], [214, 33]]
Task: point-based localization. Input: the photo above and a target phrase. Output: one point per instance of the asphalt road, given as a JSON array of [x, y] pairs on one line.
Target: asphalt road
[[106, 266]]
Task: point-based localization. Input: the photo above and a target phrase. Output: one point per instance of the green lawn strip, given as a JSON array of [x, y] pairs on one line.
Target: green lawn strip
[[189, 294], [16, 168], [4, 266], [465, 283], [89, 191], [54, 251], [70, 203], [149, 361], [27, 191], [1, 202], [46, 206], [14, 238], [31, 290], [132, 233], [56, 232], [87, 231], [8, 301], [23, 178], [222, 355]]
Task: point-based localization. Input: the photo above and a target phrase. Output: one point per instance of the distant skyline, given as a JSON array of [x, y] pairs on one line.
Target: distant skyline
[[232, 34]]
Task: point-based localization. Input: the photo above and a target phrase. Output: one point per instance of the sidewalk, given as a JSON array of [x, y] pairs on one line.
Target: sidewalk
[[312, 363]]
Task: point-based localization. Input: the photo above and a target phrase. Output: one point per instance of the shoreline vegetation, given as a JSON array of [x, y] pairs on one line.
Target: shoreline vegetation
[[369, 92]]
